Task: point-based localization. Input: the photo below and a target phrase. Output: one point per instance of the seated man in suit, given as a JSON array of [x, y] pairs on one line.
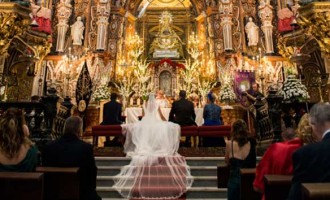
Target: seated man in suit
[[277, 159], [311, 163], [183, 113], [112, 116], [70, 151]]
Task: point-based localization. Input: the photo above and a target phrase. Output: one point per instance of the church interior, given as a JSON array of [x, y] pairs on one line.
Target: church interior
[[60, 58]]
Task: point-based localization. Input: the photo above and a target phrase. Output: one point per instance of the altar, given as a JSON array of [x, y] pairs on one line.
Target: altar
[[132, 114]]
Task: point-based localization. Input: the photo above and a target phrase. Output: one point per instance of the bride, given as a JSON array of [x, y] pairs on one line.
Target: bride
[[156, 170]]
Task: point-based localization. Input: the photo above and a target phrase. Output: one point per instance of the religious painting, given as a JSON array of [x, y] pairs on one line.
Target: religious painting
[[243, 82], [165, 82]]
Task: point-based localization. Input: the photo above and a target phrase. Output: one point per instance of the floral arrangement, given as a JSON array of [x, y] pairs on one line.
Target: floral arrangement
[[102, 92], [293, 89], [227, 93]]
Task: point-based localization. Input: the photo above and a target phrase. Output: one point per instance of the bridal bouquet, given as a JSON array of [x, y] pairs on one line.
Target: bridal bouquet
[[102, 92], [227, 93], [293, 89]]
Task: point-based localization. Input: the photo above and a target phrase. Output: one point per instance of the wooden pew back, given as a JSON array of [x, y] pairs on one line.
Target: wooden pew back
[[60, 183], [247, 178], [316, 191], [21, 185], [277, 186]]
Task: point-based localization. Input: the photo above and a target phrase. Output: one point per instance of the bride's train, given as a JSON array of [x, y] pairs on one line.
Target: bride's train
[[156, 170]]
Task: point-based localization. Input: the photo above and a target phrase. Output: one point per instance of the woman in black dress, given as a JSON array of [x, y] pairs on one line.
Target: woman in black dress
[[240, 153]]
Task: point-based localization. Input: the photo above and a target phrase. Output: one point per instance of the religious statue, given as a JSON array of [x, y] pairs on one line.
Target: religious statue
[[77, 30], [63, 13], [252, 32], [167, 43]]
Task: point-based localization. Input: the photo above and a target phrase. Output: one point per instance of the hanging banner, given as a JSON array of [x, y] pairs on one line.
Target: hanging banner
[[243, 82]]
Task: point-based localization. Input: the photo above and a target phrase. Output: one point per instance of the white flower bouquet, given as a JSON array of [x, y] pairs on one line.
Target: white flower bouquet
[[102, 92], [293, 89], [227, 93]]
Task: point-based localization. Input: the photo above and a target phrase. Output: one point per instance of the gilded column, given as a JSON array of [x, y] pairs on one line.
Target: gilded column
[[63, 13], [103, 13], [266, 16], [226, 15]]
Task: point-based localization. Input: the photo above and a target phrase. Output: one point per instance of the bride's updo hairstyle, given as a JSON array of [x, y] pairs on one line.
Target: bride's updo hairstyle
[[239, 132]]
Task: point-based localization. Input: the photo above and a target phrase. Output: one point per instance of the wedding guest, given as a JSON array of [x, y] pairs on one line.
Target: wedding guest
[[240, 153], [277, 159], [17, 152], [161, 99], [183, 113], [211, 112], [311, 163], [70, 151], [112, 111], [305, 131], [212, 115]]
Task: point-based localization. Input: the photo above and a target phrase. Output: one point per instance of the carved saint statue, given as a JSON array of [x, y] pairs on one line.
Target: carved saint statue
[[77, 30], [252, 32]]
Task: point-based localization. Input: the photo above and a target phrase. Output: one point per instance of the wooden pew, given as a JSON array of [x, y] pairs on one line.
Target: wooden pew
[[277, 186], [105, 130], [60, 183], [247, 178], [316, 191], [21, 185]]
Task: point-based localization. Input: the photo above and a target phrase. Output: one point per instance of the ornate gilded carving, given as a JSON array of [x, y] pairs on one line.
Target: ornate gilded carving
[[14, 20], [80, 7], [315, 19]]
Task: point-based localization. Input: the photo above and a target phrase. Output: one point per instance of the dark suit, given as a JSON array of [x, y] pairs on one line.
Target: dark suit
[[311, 165], [70, 151], [111, 113], [183, 113]]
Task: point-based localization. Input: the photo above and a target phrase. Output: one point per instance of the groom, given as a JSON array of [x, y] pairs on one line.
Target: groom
[[183, 113]]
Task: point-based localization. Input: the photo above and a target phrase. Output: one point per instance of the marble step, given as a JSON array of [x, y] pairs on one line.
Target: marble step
[[179, 199], [199, 181], [195, 170], [191, 161], [193, 193]]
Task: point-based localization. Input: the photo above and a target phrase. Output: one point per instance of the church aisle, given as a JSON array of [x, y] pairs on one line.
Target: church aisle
[[203, 169]]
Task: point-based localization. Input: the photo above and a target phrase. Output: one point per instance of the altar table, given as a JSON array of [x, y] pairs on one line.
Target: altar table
[[132, 114]]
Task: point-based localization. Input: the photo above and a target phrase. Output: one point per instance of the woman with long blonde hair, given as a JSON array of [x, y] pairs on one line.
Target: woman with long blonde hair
[[17, 152]]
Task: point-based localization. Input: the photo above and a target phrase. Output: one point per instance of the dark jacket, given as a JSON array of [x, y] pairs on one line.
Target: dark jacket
[[183, 113], [311, 164], [112, 113], [70, 151]]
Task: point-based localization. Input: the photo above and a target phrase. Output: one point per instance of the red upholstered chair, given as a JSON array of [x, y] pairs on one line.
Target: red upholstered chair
[[105, 130], [189, 130], [214, 131]]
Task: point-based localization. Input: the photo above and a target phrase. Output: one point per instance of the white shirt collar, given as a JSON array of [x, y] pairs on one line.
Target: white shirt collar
[[326, 132]]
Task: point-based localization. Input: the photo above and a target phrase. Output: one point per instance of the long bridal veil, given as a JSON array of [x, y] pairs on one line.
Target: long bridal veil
[[156, 170]]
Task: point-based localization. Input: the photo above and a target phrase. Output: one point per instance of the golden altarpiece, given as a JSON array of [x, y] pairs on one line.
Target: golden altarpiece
[[138, 46]]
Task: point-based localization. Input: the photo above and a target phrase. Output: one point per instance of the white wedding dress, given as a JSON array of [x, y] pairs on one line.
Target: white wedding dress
[[156, 170]]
